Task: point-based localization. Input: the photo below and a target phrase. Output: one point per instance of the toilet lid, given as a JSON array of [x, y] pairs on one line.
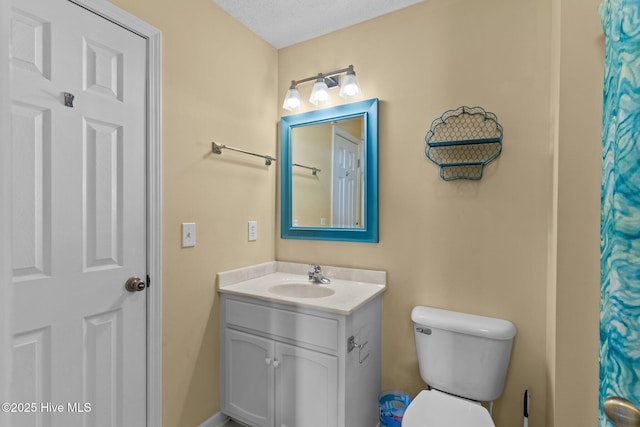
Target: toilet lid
[[432, 408]]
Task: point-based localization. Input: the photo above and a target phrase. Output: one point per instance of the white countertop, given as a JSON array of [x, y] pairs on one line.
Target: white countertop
[[352, 287]]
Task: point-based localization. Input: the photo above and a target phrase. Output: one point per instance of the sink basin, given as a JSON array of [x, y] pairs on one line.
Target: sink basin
[[301, 290]]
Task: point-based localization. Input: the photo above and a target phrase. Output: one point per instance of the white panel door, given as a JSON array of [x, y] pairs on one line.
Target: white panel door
[[345, 180], [79, 228]]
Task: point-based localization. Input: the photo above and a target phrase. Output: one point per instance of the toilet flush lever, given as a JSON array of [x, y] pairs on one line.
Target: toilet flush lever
[[351, 345]]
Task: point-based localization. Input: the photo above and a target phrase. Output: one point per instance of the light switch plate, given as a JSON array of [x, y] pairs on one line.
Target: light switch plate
[[252, 230], [188, 234]]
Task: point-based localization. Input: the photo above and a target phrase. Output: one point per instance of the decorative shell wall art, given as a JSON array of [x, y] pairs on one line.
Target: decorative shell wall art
[[462, 141]]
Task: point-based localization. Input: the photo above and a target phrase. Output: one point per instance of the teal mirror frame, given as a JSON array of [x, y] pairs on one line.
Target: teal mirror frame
[[369, 233]]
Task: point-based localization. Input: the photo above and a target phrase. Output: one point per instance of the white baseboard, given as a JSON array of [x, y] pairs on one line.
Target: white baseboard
[[217, 420]]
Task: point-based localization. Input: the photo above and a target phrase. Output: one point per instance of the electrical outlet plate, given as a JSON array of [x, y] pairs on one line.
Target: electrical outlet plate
[[252, 231]]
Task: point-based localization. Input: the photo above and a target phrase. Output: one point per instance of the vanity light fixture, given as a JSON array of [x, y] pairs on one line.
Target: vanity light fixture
[[292, 101], [320, 92], [349, 88]]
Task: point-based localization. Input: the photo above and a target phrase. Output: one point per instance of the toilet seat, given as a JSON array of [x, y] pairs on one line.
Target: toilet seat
[[433, 408]]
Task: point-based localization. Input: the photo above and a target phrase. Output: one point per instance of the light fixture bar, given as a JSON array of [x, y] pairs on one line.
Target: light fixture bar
[[323, 81], [329, 74]]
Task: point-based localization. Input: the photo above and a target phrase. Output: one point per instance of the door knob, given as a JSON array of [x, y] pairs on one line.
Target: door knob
[[621, 412], [135, 284]]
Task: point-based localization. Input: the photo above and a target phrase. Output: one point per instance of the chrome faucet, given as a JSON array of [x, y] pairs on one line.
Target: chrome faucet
[[316, 275]]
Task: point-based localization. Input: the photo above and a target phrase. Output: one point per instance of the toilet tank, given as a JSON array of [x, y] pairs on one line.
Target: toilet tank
[[463, 354]]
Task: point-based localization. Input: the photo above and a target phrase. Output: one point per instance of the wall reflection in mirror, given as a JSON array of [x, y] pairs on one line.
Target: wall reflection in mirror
[[329, 173]]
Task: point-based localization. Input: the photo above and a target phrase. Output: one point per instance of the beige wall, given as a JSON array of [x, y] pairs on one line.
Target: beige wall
[[311, 194], [578, 73], [521, 244], [219, 83], [477, 247], [501, 246]]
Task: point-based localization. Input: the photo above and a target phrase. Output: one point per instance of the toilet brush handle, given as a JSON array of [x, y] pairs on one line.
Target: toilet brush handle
[[525, 408]]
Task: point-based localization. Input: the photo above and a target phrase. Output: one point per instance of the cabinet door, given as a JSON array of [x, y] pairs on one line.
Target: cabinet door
[[306, 388], [249, 379]]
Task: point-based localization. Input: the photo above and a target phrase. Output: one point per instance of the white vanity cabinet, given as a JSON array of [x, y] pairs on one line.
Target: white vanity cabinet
[[289, 366]]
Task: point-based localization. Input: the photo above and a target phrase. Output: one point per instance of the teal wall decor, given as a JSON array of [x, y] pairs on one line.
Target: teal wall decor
[[462, 141]]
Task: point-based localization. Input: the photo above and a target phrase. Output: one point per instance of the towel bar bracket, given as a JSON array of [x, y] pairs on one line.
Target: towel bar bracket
[[351, 345]]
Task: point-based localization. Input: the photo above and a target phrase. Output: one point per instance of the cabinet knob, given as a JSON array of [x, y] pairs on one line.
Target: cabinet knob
[[267, 361], [276, 363]]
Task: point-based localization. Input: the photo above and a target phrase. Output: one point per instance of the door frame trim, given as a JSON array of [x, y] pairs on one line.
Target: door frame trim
[[153, 37], [5, 211]]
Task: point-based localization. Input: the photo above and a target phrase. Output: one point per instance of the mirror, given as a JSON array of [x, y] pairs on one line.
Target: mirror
[[329, 173]]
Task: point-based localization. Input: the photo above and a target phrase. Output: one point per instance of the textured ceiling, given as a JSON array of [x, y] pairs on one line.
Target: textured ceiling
[[283, 23]]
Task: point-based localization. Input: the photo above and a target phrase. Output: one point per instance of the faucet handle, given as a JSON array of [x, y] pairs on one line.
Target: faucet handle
[[316, 275]]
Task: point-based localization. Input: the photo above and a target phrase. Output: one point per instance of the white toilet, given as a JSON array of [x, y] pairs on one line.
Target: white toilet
[[464, 359]]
